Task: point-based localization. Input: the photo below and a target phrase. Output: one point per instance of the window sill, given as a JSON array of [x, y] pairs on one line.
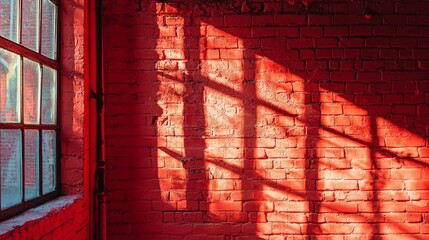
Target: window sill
[[36, 214]]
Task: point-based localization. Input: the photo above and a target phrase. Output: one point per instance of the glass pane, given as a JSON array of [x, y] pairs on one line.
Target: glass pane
[[31, 164], [49, 152], [10, 87], [31, 92], [49, 30], [11, 167], [9, 19], [49, 96], [30, 24]]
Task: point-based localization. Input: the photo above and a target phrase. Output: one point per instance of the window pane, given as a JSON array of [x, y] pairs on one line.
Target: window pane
[[11, 170], [49, 164], [30, 24], [49, 96], [49, 31], [10, 87], [31, 92], [31, 164], [9, 19]]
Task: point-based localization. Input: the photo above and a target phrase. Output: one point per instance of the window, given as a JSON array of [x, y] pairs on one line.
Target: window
[[28, 104]]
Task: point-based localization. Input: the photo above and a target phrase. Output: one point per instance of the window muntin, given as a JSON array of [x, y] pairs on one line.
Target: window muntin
[[28, 104]]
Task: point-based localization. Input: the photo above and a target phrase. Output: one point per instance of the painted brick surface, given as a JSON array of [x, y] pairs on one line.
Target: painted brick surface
[[267, 119]]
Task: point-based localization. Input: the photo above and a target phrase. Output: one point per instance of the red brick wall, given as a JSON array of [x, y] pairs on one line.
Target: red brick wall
[[267, 119], [66, 217]]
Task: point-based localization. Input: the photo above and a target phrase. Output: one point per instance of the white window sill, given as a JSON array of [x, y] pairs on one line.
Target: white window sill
[[34, 215]]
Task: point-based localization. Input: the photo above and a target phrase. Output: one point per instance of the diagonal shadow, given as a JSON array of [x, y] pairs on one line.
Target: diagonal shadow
[[259, 102]]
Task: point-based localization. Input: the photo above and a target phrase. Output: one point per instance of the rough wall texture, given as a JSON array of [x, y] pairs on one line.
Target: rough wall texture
[[267, 119], [65, 217]]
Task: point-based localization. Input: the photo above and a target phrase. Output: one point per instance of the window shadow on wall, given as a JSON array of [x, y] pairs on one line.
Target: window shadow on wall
[[179, 175]]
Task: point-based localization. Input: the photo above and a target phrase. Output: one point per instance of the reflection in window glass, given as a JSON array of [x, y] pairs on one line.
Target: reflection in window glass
[[49, 96], [10, 87], [49, 30], [31, 164], [11, 167], [31, 92], [30, 24], [49, 164], [9, 19]]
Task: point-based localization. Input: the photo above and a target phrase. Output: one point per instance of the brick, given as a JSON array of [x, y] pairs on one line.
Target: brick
[[231, 54], [353, 110], [377, 42], [262, 32], [368, 99], [387, 228], [213, 31], [335, 31], [273, 43], [416, 185], [290, 19], [388, 53], [403, 42], [369, 53], [404, 109], [349, 19], [385, 30], [324, 53], [263, 20], [406, 174], [387, 185], [411, 31], [330, 109], [288, 31], [425, 228], [360, 30], [222, 42], [414, 217], [337, 207], [255, 206], [424, 152], [337, 185], [300, 43], [286, 228], [357, 87], [352, 42], [310, 31], [242, 32], [292, 206], [314, 19], [342, 76], [326, 42], [384, 88], [237, 20], [336, 228], [222, 206]]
